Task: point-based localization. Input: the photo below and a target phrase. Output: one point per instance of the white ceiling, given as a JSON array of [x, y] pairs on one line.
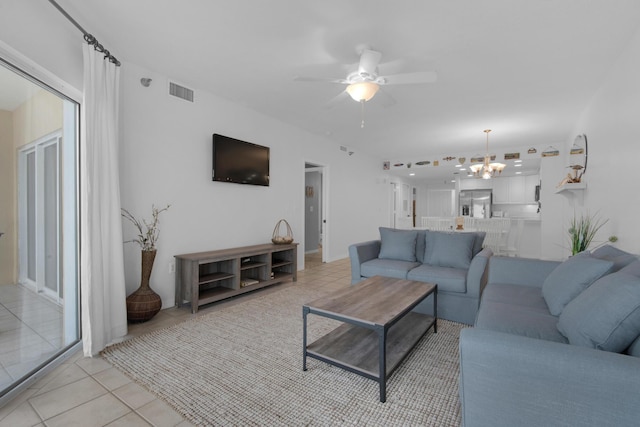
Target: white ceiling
[[524, 68]]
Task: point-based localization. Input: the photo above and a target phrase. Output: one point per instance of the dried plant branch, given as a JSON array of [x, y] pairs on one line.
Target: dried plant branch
[[148, 232]]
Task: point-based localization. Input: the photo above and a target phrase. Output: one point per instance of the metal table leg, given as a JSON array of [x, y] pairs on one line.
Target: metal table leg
[[435, 310], [305, 311], [382, 363]]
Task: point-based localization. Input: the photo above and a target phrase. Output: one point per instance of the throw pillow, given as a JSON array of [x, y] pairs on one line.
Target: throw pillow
[[570, 278], [633, 268], [449, 249], [397, 244], [619, 257], [605, 316], [477, 244]]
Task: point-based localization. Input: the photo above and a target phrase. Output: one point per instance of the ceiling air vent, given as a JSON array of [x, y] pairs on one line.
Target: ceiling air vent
[[180, 91]]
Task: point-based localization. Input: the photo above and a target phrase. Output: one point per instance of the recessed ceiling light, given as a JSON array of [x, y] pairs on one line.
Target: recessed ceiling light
[[458, 166], [518, 165], [517, 161], [453, 180], [463, 169], [412, 174], [518, 173]]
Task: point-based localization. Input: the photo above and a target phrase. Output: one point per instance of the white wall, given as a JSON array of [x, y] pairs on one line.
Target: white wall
[[612, 126], [166, 159]]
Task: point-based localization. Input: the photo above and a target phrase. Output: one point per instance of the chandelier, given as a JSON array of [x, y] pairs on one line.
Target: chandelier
[[487, 170]]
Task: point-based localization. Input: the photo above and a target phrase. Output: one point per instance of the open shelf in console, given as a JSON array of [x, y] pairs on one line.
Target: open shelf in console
[[206, 277], [282, 264]]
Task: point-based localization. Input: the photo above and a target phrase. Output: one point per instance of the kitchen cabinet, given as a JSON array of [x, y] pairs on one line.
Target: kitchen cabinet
[[500, 190], [475, 184], [515, 189]]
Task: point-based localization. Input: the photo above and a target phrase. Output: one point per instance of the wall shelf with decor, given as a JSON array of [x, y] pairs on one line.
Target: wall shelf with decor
[[576, 186], [206, 277]]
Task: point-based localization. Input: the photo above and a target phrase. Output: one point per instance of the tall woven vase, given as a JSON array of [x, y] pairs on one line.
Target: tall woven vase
[[144, 303]]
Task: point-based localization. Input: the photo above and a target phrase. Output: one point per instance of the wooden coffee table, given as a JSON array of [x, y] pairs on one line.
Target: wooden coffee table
[[379, 329]]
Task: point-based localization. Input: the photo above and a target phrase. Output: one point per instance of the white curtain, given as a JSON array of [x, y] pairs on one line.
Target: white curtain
[[103, 301]]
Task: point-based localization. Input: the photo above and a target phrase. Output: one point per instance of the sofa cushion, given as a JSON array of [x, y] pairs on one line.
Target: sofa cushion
[[605, 316], [518, 320], [570, 278], [397, 244], [387, 267], [619, 257], [634, 348], [445, 249], [448, 279], [520, 295]]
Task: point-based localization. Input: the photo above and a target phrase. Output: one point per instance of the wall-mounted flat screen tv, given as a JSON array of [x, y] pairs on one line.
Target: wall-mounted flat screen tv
[[240, 162]]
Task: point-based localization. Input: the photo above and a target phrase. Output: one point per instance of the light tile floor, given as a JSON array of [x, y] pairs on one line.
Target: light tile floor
[[90, 392], [30, 332]]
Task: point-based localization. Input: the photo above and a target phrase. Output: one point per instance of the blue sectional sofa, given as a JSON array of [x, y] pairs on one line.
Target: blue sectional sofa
[[555, 344], [455, 261]]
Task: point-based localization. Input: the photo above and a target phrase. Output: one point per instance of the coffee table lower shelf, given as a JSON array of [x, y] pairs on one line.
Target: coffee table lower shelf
[[359, 347]]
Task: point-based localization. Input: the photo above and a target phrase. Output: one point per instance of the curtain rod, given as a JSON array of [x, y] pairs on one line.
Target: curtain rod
[[87, 37]]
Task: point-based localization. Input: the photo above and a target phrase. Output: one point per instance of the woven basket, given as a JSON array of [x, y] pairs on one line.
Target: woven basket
[[277, 238]]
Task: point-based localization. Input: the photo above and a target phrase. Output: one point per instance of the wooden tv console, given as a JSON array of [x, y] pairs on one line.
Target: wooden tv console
[[206, 277]]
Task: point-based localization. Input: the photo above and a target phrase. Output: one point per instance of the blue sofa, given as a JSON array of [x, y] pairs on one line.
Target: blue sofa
[[555, 344], [455, 261]]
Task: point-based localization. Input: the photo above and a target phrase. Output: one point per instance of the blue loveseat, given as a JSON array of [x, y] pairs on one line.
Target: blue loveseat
[[555, 344], [455, 261]]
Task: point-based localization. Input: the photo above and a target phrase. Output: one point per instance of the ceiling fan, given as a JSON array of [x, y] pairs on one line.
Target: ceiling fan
[[364, 82]]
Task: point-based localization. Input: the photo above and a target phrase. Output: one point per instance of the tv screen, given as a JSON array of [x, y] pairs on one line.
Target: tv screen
[[239, 161]]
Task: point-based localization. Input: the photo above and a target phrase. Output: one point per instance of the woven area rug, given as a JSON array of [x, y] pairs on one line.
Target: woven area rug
[[242, 365]]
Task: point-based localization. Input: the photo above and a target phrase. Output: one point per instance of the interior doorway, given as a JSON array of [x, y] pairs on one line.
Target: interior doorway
[[401, 206], [315, 219]]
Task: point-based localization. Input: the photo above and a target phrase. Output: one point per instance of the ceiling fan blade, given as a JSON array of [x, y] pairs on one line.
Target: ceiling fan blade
[[392, 67], [319, 79], [369, 61], [411, 78], [337, 99]]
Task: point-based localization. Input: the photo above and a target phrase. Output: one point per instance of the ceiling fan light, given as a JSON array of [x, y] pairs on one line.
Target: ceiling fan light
[[362, 91]]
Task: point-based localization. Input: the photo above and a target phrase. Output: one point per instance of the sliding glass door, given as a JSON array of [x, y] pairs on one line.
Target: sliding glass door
[[39, 285], [39, 201]]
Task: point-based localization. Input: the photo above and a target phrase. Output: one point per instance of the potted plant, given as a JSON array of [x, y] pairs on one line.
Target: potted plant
[[144, 303], [583, 230]]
